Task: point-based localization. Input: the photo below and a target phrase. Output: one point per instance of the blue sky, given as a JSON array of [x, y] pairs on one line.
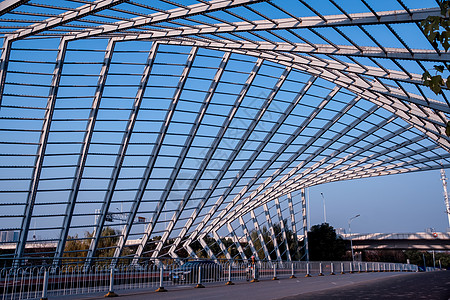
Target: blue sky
[[397, 203]]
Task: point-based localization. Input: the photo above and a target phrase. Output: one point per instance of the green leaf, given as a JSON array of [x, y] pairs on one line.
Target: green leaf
[[439, 68]]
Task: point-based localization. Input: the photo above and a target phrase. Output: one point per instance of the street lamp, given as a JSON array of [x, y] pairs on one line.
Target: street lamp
[[350, 232], [324, 210]]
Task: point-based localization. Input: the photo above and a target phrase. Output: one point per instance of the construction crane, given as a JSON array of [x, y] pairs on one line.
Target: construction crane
[[444, 185]]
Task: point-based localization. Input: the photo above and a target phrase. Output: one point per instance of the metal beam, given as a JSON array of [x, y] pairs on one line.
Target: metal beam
[[118, 166], [84, 152], [359, 19], [66, 17], [132, 121], [166, 16], [342, 171], [259, 149], [7, 5], [293, 171], [6, 51], [301, 180], [236, 242], [272, 232], [222, 246], [305, 226], [187, 145], [283, 229], [343, 50], [293, 223], [211, 151], [260, 235], [303, 62], [207, 249], [29, 206], [262, 110], [249, 238], [155, 153], [218, 222]]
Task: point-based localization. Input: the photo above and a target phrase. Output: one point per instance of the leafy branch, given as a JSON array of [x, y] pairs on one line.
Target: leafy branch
[[437, 31]]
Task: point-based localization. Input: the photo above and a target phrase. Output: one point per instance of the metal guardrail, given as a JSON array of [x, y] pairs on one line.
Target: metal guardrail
[[50, 281]]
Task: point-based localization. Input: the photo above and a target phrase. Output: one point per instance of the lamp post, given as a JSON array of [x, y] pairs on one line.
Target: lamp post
[[324, 209], [350, 232]]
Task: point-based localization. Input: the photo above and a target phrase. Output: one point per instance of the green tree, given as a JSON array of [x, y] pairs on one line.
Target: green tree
[[437, 30], [76, 247], [324, 244]]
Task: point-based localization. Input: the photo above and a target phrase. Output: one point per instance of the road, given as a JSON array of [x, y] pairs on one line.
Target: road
[[432, 285]]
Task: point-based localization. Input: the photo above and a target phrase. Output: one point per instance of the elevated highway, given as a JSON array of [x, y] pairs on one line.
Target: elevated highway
[[401, 241]]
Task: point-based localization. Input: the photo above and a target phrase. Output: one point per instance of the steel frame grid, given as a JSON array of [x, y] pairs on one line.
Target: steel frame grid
[[240, 175]]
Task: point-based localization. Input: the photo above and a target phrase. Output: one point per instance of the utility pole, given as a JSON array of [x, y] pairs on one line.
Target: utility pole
[[446, 200]]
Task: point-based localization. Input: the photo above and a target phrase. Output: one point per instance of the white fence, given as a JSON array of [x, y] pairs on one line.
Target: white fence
[[50, 281]]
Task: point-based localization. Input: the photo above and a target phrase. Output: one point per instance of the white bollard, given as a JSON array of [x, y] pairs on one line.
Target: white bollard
[[320, 269], [229, 282], [45, 286], [332, 269], [111, 285], [307, 270], [199, 282], [292, 271], [161, 280], [274, 272]]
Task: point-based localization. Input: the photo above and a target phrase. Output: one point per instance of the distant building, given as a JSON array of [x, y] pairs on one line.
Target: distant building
[[340, 231], [9, 236]]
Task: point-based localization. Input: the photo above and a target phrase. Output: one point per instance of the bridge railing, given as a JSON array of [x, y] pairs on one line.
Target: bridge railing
[[50, 281]]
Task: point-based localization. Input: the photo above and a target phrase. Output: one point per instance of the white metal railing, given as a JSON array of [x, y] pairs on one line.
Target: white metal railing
[[50, 281]]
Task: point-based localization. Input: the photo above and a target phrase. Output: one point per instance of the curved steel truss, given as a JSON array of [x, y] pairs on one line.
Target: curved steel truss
[[178, 123]]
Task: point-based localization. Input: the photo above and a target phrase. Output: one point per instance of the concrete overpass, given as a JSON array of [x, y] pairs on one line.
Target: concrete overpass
[[401, 241]]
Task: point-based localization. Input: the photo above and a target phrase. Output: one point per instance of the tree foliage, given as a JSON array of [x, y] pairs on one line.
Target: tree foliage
[[77, 247], [437, 30], [324, 244], [416, 257]]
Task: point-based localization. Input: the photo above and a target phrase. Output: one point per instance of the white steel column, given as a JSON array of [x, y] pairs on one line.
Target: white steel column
[[41, 151], [182, 156], [84, 152], [293, 223], [222, 246], [132, 121], [283, 229], [236, 241], [155, 152], [115, 174], [249, 238], [225, 214], [6, 50], [207, 249], [272, 232], [210, 154], [255, 154], [260, 235], [305, 226]]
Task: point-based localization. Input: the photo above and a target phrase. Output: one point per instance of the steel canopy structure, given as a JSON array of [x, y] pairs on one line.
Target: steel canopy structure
[[181, 122]]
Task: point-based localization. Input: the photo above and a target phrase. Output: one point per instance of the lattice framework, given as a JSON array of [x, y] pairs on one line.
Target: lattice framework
[[216, 113]]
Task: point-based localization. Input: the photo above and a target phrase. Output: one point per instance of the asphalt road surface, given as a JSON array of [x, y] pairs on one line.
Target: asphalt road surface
[[431, 285]]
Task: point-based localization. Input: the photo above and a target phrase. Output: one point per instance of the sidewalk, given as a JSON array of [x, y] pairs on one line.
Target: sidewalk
[[265, 289]]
